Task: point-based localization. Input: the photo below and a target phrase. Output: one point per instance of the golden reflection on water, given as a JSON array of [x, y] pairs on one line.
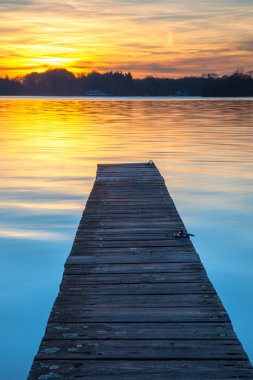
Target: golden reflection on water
[[44, 140]]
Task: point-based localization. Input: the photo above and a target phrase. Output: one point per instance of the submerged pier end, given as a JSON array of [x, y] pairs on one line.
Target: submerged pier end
[[135, 301]]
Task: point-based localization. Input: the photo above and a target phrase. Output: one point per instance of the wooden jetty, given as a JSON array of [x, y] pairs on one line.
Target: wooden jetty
[[135, 301]]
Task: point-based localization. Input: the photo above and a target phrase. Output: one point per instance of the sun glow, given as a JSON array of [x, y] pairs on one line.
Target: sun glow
[[51, 61]]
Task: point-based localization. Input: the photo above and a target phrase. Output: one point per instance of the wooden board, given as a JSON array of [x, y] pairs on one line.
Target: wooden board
[[142, 369], [141, 330], [135, 302], [130, 258], [138, 288]]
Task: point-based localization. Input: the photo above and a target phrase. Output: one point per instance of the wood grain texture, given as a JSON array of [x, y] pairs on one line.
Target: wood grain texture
[[135, 302], [142, 370]]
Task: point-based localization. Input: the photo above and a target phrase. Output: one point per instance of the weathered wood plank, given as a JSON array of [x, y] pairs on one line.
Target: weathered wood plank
[[134, 268], [77, 250], [126, 219], [133, 243], [139, 349], [97, 201], [131, 258], [80, 237], [138, 288], [147, 224], [148, 300], [143, 278], [142, 370], [138, 314], [172, 330], [135, 302], [86, 229]]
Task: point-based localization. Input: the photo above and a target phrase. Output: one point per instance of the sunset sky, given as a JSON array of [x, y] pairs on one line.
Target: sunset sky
[[158, 37]]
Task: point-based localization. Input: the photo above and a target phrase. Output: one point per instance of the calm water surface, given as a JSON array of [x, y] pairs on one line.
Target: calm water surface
[[49, 151]]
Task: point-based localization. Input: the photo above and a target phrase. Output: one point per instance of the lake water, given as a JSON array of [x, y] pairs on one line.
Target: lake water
[[49, 151]]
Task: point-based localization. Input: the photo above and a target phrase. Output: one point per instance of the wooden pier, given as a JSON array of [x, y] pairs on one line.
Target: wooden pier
[[135, 301]]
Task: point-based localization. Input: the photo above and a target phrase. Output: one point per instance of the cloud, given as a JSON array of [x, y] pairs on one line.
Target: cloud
[[246, 45], [19, 67], [10, 29], [10, 3], [150, 67]]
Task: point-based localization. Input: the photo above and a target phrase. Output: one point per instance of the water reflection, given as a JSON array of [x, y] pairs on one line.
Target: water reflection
[[49, 152]]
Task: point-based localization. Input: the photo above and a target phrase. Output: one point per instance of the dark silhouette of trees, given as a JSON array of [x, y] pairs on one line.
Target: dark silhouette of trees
[[51, 82], [61, 82], [111, 83], [10, 87], [237, 84]]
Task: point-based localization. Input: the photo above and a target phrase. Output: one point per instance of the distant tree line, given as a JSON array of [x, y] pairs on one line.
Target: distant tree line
[[61, 82]]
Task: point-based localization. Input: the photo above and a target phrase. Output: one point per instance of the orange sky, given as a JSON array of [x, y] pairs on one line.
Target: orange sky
[[162, 38]]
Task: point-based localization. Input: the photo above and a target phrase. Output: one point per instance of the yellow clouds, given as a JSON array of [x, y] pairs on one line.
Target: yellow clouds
[[145, 37]]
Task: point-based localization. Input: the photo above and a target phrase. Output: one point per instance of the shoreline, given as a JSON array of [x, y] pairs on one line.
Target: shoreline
[[130, 97]]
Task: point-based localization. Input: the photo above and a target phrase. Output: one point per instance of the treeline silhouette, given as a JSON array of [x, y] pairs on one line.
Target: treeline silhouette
[[61, 82]]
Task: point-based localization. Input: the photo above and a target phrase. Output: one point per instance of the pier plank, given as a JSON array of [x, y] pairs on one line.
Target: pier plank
[[134, 268], [138, 314], [143, 370], [138, 288], [140, 278], [131, 258], [141, 349], [141, 330]]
